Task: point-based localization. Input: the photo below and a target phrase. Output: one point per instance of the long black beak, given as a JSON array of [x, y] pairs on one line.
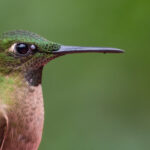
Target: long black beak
[[77, 49]]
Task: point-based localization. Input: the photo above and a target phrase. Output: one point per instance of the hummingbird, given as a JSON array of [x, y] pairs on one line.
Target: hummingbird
[[23, 55]]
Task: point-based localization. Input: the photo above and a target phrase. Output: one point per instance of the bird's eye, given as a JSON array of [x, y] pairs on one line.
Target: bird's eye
[[22, 48]]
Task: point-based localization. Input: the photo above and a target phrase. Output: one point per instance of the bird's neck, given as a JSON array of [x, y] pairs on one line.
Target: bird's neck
[[14, 85]]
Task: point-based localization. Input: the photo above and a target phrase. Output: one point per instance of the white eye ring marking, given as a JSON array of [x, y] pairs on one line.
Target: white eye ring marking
[[12, 48]]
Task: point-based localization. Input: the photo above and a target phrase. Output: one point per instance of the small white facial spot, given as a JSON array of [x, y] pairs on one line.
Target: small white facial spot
[[33, 47]]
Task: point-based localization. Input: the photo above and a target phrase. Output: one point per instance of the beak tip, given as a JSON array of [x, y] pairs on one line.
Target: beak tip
[[120, 51]]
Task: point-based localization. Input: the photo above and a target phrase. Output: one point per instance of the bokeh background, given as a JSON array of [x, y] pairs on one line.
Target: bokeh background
[[92, 101]]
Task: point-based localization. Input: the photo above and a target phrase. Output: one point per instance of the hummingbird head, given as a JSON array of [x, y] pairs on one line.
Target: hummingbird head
[[23, 50], [27, 52]]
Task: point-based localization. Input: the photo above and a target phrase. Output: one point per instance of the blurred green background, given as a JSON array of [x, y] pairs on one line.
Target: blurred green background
[[92, 101]]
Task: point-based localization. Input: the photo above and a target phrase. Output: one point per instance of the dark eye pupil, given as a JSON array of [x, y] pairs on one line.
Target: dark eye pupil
[[22, 48]]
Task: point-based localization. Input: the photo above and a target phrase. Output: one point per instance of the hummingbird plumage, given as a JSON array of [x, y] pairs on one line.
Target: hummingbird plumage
[[23, 55]]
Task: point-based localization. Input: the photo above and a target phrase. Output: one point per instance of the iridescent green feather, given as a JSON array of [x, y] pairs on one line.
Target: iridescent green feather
[[28, 37]]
